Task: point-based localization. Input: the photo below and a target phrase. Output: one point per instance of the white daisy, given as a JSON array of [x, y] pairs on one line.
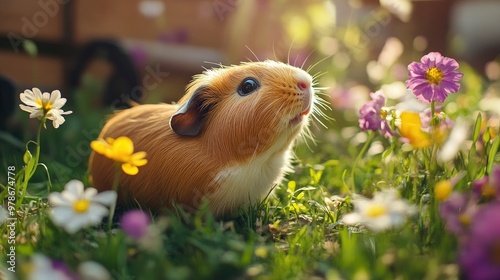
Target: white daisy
[[43, 268], [76, 208], [91, 270], [383, 211], [47, 105]]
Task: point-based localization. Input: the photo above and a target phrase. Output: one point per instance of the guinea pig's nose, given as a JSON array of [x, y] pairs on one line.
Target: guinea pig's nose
[[303, 85]]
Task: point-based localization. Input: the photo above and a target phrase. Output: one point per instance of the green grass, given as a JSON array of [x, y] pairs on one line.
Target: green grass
[[296, 237], [293, 234]]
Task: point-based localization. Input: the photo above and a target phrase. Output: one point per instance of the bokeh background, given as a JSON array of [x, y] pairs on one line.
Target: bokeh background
[[100, 53]]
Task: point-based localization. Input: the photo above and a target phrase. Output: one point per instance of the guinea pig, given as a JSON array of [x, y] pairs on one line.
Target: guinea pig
[[227, 140]]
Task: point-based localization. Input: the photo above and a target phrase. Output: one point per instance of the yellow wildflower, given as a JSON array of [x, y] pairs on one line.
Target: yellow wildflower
[[443, 189], [411, 129], [121, 150]]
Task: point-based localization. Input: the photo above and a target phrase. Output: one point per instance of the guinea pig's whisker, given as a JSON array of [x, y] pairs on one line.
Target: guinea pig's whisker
[[218, 64], [289, 51], [256, 57], [316, 76], [274, 53], [296, 58], [317, 120], [317, 63], [307, 135], [277, 113], [321, 103], [270, 105], [305, 60]]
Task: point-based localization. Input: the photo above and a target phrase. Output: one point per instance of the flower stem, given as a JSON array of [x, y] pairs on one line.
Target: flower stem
[[434, 118], [116, 182], [371, 135], [434, 133], [30, 168]]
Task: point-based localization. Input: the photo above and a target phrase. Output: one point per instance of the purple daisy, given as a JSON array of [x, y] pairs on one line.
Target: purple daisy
[[434, 77], [372, 116], [480, 255]]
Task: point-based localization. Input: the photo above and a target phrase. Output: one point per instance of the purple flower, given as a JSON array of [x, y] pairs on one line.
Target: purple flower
[[457, 213], [480, 255], [434, 77], [135, 223], [488, 186], [373, 116]]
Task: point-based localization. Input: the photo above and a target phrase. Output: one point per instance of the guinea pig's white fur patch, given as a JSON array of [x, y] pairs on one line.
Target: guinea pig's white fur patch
[[246, 184]]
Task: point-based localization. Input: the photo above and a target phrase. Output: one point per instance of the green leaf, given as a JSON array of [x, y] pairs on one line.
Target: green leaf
[[27, 157], [477, 128], [486, 135], [471, 168], [315, 176], [387, 152], [492, 152]]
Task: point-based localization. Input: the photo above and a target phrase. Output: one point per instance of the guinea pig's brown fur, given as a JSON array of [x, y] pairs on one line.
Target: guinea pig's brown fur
[[220, 142]]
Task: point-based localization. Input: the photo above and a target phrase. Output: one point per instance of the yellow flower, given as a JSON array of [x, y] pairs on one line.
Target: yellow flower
[[121, 150], [411, 129], [443, 189]]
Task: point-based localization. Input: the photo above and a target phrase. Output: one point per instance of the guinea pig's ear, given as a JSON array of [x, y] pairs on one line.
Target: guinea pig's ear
[[189, 119]]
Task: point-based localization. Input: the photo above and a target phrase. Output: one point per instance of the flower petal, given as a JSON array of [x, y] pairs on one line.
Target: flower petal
[[45, 97], [56, 199], [61, 215], [105, 198], [130, 169], [28, 99], [54, 96], [74, 187], [77, 222], [28, 109], [99, 146], [89, 193], [93, 270], [96, 212], [123, 145], [352, 218]]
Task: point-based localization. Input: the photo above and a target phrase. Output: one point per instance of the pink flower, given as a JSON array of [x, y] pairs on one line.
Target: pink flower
[[434, 77], [135, 223]]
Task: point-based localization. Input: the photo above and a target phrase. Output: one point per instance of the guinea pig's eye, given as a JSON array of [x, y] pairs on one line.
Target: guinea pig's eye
[[248, 86]]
